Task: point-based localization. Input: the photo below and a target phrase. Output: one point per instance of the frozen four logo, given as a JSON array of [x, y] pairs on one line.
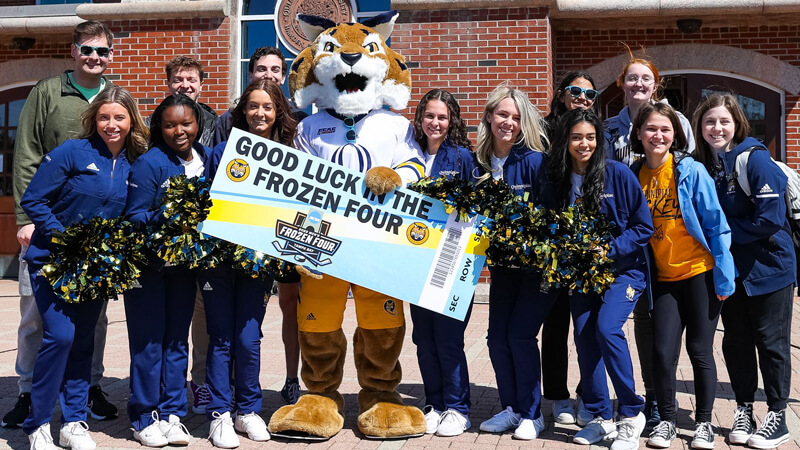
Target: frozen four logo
[[306, 239]]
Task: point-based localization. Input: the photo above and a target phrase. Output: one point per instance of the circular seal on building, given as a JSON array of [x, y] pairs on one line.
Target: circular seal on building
[[288, 29], [238, 170], [417, 233]]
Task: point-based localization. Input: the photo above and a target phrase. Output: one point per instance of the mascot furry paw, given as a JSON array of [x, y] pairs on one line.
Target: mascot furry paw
[[350, 74]]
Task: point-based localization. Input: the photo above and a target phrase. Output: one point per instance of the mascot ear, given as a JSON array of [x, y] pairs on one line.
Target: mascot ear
[[312, 26], [383, 23]]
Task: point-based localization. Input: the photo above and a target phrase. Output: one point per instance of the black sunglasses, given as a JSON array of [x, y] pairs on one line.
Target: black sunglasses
[[576, 92], [87, 50]]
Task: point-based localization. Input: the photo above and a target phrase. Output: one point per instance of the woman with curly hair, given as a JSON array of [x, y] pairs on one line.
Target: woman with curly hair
[[235, 302], [442, 136], [80, 179]]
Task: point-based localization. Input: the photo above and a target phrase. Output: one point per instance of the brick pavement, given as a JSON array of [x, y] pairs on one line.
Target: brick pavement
[[117, 433]]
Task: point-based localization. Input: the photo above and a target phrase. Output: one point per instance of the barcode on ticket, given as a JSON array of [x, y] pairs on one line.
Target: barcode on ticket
[[447, 258]]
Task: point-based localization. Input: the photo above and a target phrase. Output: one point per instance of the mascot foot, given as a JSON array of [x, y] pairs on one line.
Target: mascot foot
[[313, 417], [385, 417]]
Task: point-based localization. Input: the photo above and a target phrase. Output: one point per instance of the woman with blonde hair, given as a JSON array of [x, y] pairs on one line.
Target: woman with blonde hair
[[510, 144], [80, 179]]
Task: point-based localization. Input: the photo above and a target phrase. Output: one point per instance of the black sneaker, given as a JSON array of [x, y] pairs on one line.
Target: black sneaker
[[703, 436], [743, 424], [772, 432], [663, 434], [99, 407], [19, 413], [291, 391]]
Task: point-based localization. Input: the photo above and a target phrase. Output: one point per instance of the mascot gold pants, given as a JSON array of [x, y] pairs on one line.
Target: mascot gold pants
[[377, 343]]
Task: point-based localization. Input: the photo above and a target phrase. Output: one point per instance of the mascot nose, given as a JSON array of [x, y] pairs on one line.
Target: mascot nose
[[351, 58]]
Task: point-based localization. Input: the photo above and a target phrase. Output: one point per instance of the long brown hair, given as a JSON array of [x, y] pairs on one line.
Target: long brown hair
[[285, 127], [138, 136], [703, 153], [456, 131]]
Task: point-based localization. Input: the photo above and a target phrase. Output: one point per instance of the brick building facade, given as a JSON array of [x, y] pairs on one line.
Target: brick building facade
[[466, 46]]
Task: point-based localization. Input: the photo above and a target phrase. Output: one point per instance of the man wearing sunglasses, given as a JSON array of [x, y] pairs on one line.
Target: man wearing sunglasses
[[50, 116]]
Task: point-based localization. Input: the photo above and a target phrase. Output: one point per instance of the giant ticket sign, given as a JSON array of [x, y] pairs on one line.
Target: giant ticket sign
[[312, 212]]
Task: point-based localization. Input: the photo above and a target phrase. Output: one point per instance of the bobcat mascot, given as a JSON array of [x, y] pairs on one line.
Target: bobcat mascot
[[350, 73]]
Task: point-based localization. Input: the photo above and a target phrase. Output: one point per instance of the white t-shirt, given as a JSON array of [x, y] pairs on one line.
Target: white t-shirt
[[193, 168], [428, 162], [497, 167]]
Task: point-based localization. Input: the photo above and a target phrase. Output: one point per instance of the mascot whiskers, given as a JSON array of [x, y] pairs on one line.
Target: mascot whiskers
[[350, 74]]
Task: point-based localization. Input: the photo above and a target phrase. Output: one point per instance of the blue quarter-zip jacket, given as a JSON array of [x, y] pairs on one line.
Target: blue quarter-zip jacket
[[452, 160], [212, 164], [523, 171], [762, 246], [703, 217], [78, 180], [148, 182], [625, 205]]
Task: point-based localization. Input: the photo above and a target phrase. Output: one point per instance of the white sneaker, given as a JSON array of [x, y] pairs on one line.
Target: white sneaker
[[75, 435], [563, 412], [174, 431], [432, 417], [151, 435], [584, 416], [628, 431], [503, 421], [529, 429], [41, 439], [596, 430], [253, 425], [221, 432], [452, 423]]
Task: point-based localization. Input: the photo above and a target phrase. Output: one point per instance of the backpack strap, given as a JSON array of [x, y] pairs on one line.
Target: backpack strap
[[740, 169]]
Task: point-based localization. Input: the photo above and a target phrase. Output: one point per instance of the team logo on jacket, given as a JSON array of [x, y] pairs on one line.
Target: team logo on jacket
[[306, 239], [630, 293], [417, 233], [238, 170], [390, 307]]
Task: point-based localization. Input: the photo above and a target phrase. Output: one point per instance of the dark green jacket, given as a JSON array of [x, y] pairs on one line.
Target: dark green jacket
[[50, 116]]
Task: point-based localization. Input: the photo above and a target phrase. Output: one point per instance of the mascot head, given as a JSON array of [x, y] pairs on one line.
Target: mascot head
[[349, 68]]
